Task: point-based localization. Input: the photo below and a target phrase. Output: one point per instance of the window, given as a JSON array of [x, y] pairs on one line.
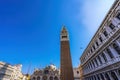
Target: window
[[56, 78], [38, 78], [109, 53], [46, 72], [97, 44], [118, 16], [105, 33], [101, 39], [51, 78], [64, 36], [77, 72], [93, 47], [117, 48], [91, 50], [34, 78], [111, 26]]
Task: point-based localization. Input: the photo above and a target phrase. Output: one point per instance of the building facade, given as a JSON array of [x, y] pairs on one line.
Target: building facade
[[76, 73], [101, 58], [9, 72], [66, 69], [51, 73], [81, 72], [48, 73]]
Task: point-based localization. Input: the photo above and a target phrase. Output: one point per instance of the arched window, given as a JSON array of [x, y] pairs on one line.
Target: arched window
[[117, 48], [56, 78], [51, 78], [44, 78], [114, 76], [77, 72], [109, 53], [38, 78]]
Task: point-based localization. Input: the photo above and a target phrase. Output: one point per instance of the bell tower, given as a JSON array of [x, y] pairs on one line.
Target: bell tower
[[66, 62]]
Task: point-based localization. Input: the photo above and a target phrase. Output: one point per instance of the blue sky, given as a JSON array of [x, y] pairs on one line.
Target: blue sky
[[30, 29]]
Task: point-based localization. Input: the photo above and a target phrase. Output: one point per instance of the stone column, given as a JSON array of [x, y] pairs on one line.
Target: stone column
[[95, 63], [102, 59], [98, 42], [100, 77], [110, 76], [96, 77], [107, 56], [103, 36], [104, 76], [98, 61], [92, 65], [107, 29], [118, 43]]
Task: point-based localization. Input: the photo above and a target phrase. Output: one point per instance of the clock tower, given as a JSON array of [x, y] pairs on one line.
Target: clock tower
[[66, 62]]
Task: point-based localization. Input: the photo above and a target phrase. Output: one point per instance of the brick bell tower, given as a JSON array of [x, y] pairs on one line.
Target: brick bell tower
[[66, 62]]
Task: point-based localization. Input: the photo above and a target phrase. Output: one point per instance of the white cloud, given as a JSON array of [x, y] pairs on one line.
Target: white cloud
[[93, 12]]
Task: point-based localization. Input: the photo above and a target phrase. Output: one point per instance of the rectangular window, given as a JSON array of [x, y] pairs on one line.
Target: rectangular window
[[111, 26], [93, 47], [118, 16], [64, 36], [101, 39], [91, 50], [97, 44], [105, 33], [117, 48]]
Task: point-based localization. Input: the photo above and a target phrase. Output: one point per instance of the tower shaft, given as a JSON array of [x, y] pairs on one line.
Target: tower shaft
[[66, 62]]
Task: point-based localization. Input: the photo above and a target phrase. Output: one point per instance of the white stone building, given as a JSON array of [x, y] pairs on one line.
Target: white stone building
[[101, 58], [9, 72], [51, 73]]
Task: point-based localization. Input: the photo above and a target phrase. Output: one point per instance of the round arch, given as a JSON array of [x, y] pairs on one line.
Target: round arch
[[44, 78], [38, 78], [51, 78], [56, 78]]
